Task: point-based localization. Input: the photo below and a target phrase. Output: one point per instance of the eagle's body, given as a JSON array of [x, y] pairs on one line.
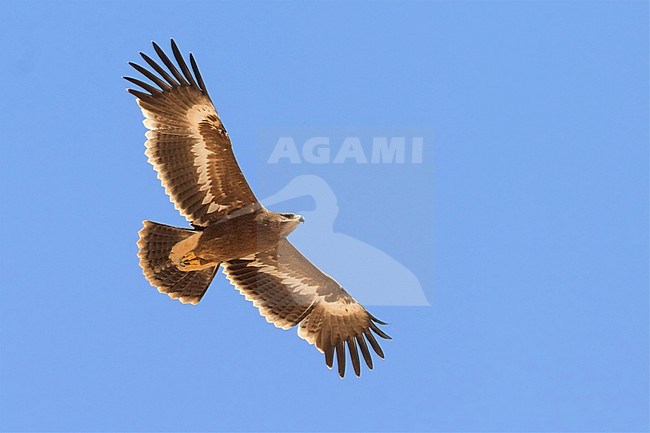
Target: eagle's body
[[232, 238], [192, 153]]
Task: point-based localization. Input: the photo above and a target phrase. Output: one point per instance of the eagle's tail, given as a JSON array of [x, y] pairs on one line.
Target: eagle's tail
[[155, 245]]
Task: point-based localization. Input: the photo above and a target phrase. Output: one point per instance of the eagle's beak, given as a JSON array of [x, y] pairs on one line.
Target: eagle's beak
[[301, 219]]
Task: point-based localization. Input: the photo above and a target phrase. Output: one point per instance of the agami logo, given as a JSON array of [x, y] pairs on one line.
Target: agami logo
[[351, 149]]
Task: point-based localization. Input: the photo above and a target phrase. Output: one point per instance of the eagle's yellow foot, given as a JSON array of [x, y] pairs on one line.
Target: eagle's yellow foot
[[191, 261]]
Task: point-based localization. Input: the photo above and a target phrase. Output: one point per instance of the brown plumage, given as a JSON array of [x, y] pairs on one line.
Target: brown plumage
[[190, 149]]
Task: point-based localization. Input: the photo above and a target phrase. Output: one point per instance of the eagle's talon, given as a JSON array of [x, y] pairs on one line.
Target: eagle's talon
[[190, 259]]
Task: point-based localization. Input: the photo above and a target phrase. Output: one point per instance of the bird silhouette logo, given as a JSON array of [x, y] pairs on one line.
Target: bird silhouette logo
[[375, 278]]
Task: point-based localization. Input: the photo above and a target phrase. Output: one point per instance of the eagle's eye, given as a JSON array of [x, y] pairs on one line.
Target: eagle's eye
[[186, 262], [288, 215]]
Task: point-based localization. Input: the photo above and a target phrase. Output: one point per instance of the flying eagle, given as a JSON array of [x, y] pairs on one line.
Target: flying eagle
[[190, 149]]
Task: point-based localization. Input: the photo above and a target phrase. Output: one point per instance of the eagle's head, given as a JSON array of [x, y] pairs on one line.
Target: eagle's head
[[287, 222], [279, 224], [292, 217]]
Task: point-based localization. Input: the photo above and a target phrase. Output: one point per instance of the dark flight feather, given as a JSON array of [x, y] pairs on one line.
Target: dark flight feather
[[170, 65], [373, 343], [140, 95], [195, 68], [364, 350], [181, 62], [340, 357], [153, 77], [148, 87], [151, 62], [354, 356]]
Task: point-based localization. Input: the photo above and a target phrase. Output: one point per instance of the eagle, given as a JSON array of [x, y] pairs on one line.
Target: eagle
[[190, 149]]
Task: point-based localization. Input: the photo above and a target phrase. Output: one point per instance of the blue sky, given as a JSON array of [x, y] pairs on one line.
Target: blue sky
[[526, 224]]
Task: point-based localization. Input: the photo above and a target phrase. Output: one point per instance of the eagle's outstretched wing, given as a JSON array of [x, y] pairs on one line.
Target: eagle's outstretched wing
[[187, 144], [289, 290]]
